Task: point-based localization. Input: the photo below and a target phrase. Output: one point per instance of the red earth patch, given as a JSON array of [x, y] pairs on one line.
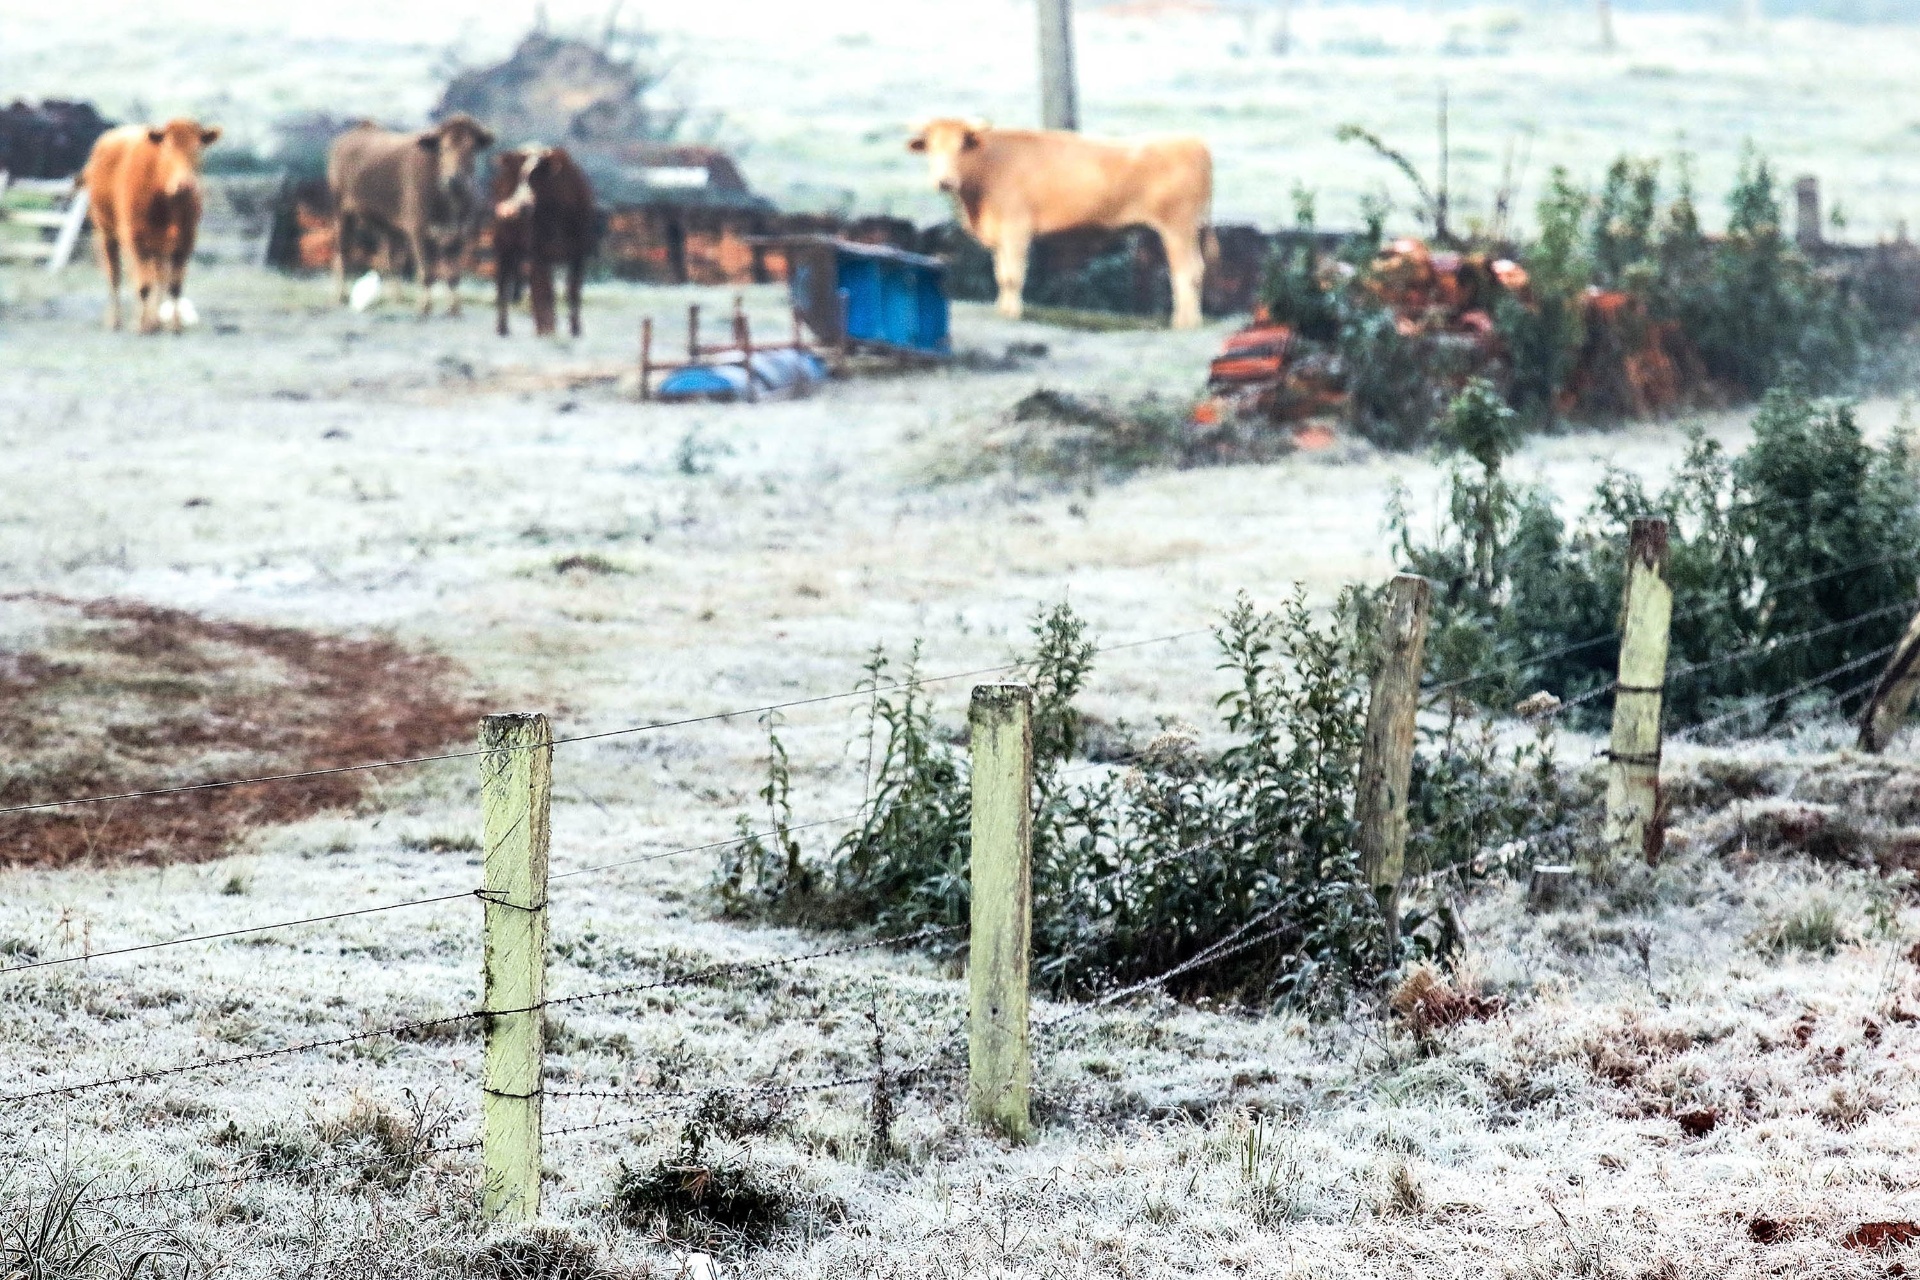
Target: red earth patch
[[116, 696]]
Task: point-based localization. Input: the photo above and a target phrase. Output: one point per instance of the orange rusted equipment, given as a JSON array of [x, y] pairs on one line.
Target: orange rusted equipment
[[1255, 354]]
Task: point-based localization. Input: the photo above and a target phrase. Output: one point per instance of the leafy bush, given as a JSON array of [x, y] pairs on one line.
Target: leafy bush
[[1792, 560], [1709, 318], [1239, 859]]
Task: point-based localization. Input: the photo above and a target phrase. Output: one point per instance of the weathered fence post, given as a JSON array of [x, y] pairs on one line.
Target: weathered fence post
[[1893, 692], [999, 1071], [1635, 824], [1386, 755], [646, 357], [516, 782]]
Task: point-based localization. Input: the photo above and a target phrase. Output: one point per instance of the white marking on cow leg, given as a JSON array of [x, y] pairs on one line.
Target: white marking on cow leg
[[186, 313], [166, 310]]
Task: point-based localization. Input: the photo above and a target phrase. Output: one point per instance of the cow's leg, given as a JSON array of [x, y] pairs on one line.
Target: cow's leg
[[505, 268], [343, 230], [1186, 270], [576, 273], [107, 245], [455, 255], [176, 280], [147, 277], [1010, 268], [422, 246], [540, 282]]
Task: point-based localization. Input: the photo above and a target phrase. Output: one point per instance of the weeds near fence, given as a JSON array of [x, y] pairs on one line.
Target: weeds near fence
[[706, 1188], [55, 1232], [1141, 868], [1792, 560]]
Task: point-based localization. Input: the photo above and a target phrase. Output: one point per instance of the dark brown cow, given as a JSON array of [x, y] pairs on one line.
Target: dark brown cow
[[542, 217], [143, 190], [417, 187]]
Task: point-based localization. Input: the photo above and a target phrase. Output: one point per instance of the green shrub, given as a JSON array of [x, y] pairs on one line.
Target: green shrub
[[1795, 558], [1187, 853]]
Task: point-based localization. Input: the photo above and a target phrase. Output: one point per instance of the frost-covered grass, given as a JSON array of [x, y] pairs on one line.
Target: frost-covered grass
[[817, 103], [497, 502]]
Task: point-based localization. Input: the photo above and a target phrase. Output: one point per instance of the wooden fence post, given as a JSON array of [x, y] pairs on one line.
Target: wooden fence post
[[999, 1071], [1636, 824], [1893, 692], [1386, 756], [516, 782]]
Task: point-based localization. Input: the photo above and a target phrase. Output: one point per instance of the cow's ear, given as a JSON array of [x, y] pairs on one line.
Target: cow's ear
[[970, 139], [428, 142], [156, 135], [209, 135], [918, 142]]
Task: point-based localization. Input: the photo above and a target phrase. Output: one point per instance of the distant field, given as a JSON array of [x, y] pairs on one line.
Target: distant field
[[816, 98]]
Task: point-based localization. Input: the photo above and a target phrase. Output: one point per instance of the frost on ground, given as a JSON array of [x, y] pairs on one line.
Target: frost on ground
[[1708, 1069]]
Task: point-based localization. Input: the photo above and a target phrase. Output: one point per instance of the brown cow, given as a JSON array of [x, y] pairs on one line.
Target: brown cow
[[417, 187], [1014, 184], [143, 192], [542, 216]]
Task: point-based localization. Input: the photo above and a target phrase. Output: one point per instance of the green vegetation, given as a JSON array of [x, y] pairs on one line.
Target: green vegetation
[[1628, 307], [1239, 858], [1790, 561]]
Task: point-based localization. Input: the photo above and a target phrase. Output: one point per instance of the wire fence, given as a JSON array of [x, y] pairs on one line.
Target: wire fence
[[666, 1101]]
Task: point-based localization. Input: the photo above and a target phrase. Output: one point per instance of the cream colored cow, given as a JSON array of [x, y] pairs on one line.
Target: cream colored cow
[[1014, 184]]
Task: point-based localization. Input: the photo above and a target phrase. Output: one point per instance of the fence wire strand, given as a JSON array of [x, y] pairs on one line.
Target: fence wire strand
[[571, 739], [426, 1024]]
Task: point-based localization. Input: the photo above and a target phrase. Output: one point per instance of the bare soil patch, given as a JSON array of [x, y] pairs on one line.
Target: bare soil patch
[[111, 696]]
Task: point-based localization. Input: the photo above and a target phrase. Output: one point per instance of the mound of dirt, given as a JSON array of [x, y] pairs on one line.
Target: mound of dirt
[[112, 696]]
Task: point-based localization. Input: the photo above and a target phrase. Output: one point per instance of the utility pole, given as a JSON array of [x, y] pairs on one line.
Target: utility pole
[[1607, 43], [1059, 103]]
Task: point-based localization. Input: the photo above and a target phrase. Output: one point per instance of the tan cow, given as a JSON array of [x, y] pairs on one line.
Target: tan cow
[[143, 193], [1014, 184]]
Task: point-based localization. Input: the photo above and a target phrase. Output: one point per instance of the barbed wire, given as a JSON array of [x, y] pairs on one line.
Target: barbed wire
[[415, 902], [1767, 647], [863, 691], [1216, 951], [1692, 732], [426, 1024]]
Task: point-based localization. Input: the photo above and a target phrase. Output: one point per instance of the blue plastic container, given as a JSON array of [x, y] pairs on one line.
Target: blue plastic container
[[866, 295]]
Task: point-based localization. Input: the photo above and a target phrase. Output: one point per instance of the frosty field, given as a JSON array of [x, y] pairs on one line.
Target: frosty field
[[509, 506], [817, 102]]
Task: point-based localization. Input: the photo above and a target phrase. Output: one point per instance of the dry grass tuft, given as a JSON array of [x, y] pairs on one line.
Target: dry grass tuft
[[1429, 1003]]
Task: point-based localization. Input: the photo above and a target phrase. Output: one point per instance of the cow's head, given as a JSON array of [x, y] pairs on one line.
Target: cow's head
[[454, 143], [181, 141], [946, 143], [521, 172]]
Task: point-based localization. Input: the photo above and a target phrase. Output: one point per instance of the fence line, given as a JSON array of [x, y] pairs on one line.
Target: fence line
[[1764, 648], [427, 1024], [1682, 615], [1692, 732], [1002, 900], [474, 753], [415, 902]]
